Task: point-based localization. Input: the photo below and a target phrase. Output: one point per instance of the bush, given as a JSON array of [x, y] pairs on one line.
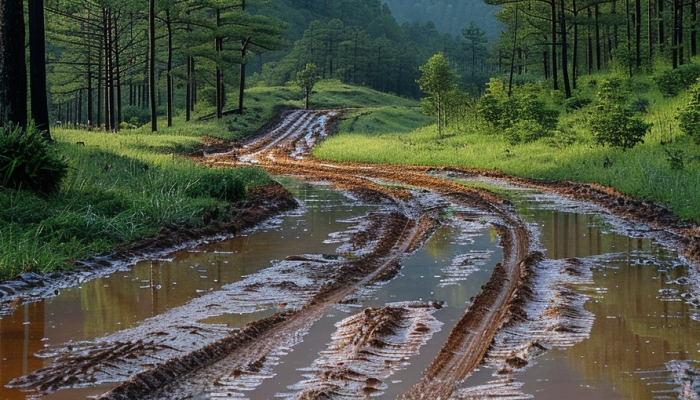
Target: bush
[[614, 125], [136, 115], [576, 103], [640, 105], [671, 82], [501, 111], [28, 162], [689, 115]]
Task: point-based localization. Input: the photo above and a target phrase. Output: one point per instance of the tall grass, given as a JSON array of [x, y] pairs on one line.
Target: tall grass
[[642, 172]]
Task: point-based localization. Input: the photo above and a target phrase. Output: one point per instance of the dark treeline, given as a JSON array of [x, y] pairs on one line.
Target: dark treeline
[[449, 16], [360, 42], [564, 39], [117, 63], [99, 63]]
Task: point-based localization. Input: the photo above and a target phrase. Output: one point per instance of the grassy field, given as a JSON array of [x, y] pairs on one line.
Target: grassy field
[[398, 135], [126, 185]]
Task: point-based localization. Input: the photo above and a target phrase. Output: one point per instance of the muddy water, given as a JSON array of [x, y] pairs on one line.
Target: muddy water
[[425, 276], [642, 327], [102, 306], [642, 322]]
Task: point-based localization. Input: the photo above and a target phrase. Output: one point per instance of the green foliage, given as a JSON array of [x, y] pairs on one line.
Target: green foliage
[[576, 103], [689, 115], [616, 126], [28, 162], [438, 82], [671, 81], [223, 184], [612, 123], [523, 110], [524, 131], [136, 116], [306, 79]]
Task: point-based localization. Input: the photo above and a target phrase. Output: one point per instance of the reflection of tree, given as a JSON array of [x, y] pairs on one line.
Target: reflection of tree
[[21, 335], [439, 245], [644, 333], [572, 235]]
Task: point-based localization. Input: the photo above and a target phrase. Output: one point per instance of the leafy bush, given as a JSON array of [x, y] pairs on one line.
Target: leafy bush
[[28, 162], [640, 105], [576, 103], [614, 125], [525, 131], [136, 115], [689, 115], [672, 81], [613, 90], [502, 111]]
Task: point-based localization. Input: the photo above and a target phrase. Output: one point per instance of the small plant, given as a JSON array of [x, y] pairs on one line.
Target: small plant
[[525, 131], [640, 105], [689, 115], [576, 103], [28, 162], [671, 82]]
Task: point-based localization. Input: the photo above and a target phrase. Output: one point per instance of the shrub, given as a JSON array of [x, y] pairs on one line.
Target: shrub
[[671, 82], [576, 103], [640, 105], [28, 162], [689, 115], [614, 125], [501, 111], [613, 90], [136, 115]]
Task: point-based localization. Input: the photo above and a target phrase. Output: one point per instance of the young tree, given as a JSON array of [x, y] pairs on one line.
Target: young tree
[[306, 80], [437, 81], [13, 71]]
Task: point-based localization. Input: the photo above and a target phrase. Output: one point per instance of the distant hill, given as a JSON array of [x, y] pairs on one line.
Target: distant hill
[[449, 16]]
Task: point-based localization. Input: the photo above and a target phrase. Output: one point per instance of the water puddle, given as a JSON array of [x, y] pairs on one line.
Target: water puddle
[[643, 342], [610, 316], [124, 299]]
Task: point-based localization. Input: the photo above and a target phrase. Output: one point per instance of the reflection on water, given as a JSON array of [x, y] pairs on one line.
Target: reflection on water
[[420, 279], [107, 305], [641, 323], [638, 326]]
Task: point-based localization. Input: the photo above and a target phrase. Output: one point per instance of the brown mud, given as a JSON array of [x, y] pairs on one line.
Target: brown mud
[[412, 200]]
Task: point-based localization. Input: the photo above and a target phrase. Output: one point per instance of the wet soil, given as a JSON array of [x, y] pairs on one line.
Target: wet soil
[[166, 357]]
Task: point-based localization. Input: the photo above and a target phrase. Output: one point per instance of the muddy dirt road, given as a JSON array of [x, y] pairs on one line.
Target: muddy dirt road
[[528, 305]]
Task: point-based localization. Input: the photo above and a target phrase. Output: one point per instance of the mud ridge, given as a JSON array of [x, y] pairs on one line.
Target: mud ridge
[[548, 312], [366, 349]]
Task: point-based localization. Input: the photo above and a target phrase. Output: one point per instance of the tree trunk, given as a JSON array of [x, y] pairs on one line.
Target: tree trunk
[[597, 38], [37, 68], [219, 73], [117, 75], [188, 94], [660, 15], [564, 51], [693, 28], [638, 31], [575, 60], [152, 62], [169, 76], [554, 45], [629, 37], [13, 70]]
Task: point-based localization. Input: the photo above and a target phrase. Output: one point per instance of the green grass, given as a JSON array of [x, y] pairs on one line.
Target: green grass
[[642, 172]]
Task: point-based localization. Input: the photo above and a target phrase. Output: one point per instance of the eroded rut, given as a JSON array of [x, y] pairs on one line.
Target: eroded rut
[[522, 311]]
